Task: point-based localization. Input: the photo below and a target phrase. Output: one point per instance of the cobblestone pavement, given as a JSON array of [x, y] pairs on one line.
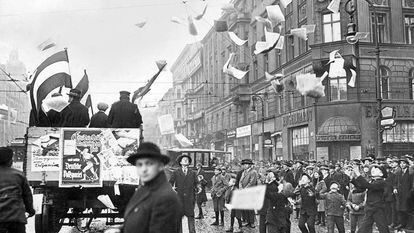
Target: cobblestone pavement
[[202, 226]]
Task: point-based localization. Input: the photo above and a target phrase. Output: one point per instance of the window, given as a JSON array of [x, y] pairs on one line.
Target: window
[[303, 44], [382, 27], [178, 113], [381, 2], [409, 29], [411, 83], [222, 121], [290, 45], [266, 62], [178, 93], [255, 70], [338, 88], [409, 3], [402, 132], [291, 101], [385, 84], [280, 103], [300, 143], [302, 11], [331, 27]]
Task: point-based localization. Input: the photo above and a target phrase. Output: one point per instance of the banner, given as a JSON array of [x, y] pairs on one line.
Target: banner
[[45, 153]]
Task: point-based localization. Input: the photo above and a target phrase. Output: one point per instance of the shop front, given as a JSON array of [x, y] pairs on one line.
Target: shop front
[[243, 142], [230, 137], [338, 139], [278, 146], [219, 140]]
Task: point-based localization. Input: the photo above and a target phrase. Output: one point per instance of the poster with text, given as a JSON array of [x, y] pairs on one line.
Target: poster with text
[[45, 153], [80, 165]]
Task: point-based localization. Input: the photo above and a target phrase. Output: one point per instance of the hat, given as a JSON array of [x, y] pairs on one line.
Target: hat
[[6, 155], [287, 163], [306, 174], [182, 156], [335, 182], [367, 158], [125, 93], [323, 167], [409, 157], [56, 94], [247, 161], [75, 93], [103, 106], [404, 160], [309, 167], [148, 150], [382, 168]]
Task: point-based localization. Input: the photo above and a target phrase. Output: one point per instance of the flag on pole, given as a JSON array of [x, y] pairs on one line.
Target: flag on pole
[[83, 85], [145, 89], [49, 75]]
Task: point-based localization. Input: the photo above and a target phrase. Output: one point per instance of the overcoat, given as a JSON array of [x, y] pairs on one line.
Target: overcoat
[[249, 178], [74, 115], [405, 183], [186, 186], [124, 114], [154, 208], [99, 120], [308, 197], [15, 196], [277, 210]]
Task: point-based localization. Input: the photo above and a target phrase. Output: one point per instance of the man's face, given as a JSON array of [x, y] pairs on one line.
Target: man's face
[[394, 164], [337, 168], [246, 166], [324, 172], [403, 165], [148, 169], [332, 170], [389, 162], [216, 171], [184, 162], [376, 172]]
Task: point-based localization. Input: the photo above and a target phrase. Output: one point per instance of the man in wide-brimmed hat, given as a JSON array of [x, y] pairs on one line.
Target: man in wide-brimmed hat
[[124, 114], [249, 178], [15, 196], [75, 114], [155, 206], [185, 182]]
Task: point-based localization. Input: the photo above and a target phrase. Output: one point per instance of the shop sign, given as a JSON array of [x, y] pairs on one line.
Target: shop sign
[[298, 117], [322, 153], [268, 143], [244, 131], [401, 111], [339, 137], [231, 133]]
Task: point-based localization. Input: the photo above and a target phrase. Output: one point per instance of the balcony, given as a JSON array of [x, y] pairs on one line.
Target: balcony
[[237, 18], [242, 92]]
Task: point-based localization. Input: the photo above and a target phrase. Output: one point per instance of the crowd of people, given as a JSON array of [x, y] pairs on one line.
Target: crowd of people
[[362, 192]]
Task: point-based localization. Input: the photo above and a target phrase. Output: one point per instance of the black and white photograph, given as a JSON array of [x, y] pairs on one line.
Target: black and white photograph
[[207, 116]]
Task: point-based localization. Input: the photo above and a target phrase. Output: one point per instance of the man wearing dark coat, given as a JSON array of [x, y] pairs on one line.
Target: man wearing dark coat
[[155, 207], [298, 171], [404, 188], [277, 212], [15, 196], [100, 119], [124, 114], [75, 114], [185, 182]]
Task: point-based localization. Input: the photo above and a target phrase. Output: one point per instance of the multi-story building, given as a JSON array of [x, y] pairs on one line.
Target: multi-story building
[[287, 125], [17, 101]]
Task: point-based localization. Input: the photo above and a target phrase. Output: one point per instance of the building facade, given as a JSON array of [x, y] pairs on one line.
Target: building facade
[[286, 125], [17, 120]]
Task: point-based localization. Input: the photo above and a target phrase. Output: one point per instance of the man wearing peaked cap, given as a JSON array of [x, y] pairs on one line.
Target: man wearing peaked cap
[[15, 195], [155, 206], [124, 114], [75, 114], [185, 182]]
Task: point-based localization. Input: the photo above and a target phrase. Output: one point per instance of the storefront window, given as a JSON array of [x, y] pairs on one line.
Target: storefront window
[[279, 148], [402, 132], [300, 143]]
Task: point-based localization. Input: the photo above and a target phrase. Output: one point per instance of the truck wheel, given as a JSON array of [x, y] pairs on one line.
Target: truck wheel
[[38, 223], [48, 221]]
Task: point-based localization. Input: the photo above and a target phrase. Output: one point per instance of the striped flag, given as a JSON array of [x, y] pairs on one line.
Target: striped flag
[[51, 74]]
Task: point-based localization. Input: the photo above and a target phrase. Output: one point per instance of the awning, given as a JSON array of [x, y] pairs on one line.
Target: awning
[[276, 134]]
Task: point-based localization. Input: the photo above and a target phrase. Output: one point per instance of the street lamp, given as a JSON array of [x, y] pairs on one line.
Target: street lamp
[[352, 38], [255, 98]]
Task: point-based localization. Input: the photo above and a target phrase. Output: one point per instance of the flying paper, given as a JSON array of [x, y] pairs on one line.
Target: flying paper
[[333, 55], [232, 71], [351, 82], [228, 7], [57, 103], [361, 35], [249, 198], [277, 86], [267, 22], [183, 140], [336, 68], [275, 14], [324, 76], [141, 23], [334, 6], [38, 203], [106, 200], [280, 43], [220, 26], [309, 28], [200, 16], [270, 77], [191, 26], [47, 44], [166, 124], [236, 39], [284, 3], [177, 20], [310, 85], [161, 64], [299, 32], [270, 43]]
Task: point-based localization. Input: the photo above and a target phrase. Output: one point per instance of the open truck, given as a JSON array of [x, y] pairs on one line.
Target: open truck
[[79, 174]]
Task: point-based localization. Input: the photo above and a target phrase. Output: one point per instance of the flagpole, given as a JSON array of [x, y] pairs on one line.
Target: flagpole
[[91, 104], [71, 84]]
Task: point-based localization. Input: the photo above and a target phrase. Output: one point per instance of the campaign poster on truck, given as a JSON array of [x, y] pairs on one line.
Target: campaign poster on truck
[[80, 165]]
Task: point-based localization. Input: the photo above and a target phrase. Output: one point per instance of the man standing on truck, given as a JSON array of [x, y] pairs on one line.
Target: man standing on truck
[[15, 196], [124, 114], [75, 114]]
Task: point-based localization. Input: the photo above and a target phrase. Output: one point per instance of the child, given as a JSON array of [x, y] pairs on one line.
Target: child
[[320, 187], [201, 196], [334, 208], [355, 204], [234, 213], [308, 211], [217, 194], [374, 204]]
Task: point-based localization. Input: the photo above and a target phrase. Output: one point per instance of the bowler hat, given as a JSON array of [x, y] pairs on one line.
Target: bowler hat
[[182, 156], [148, 150], [6, 155], [75, 93], [246, 161]]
